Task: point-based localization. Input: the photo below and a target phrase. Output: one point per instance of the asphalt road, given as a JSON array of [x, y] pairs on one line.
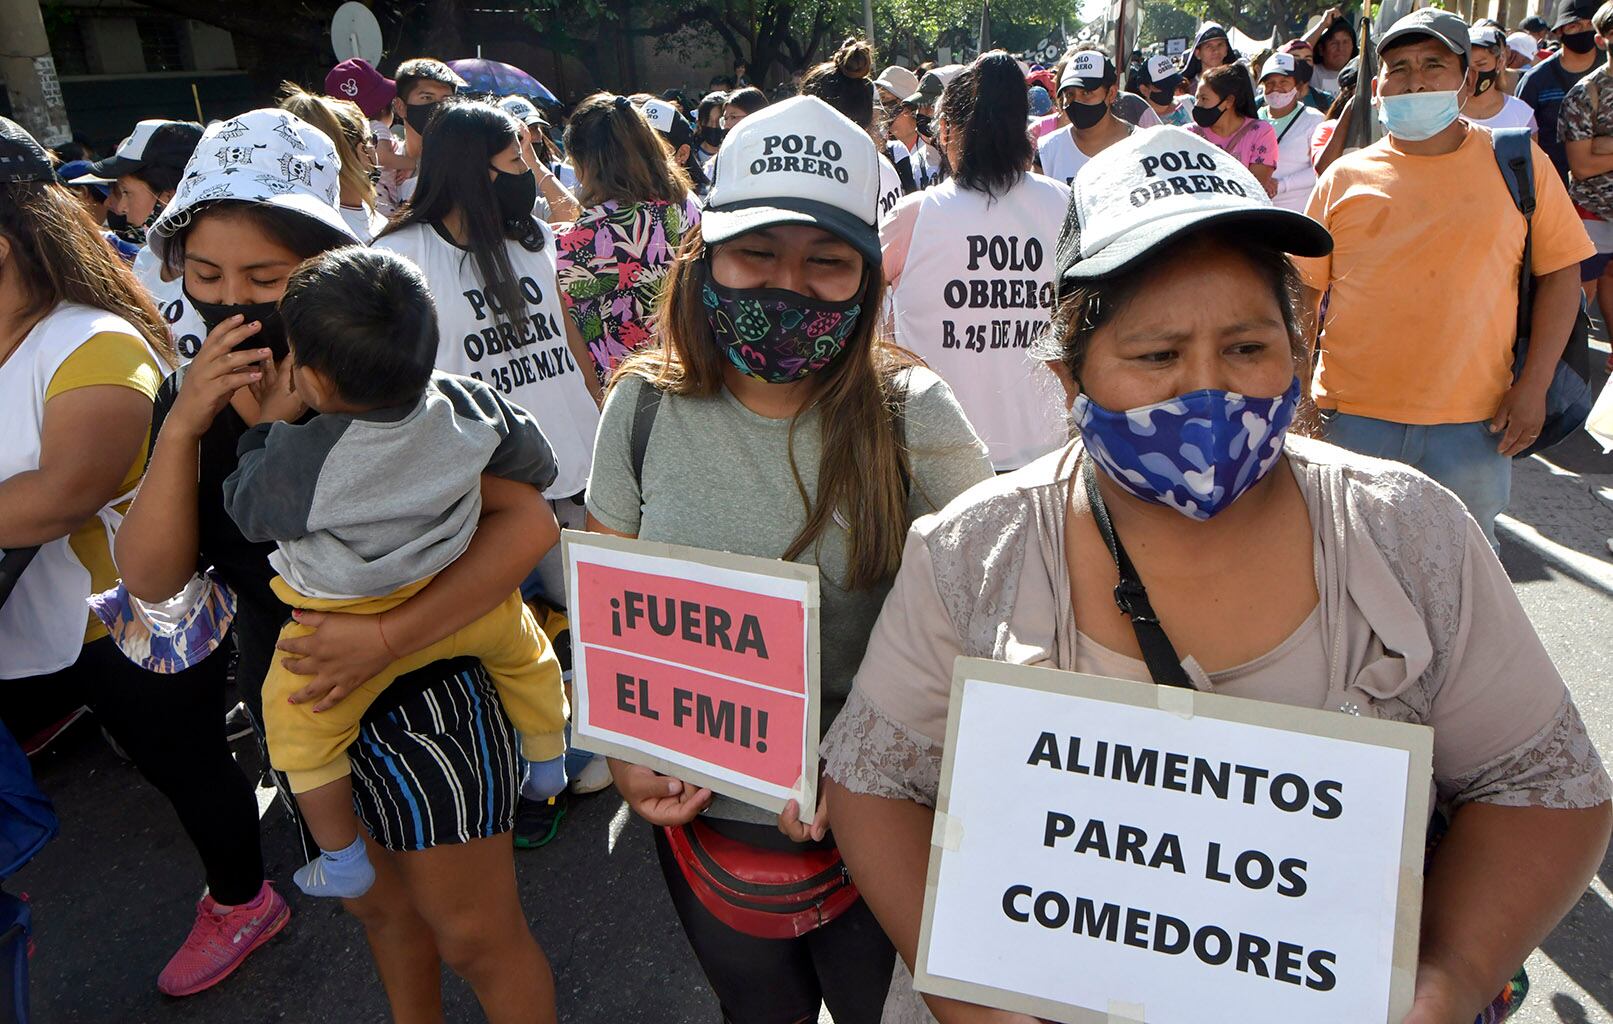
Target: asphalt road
[[112, 895]]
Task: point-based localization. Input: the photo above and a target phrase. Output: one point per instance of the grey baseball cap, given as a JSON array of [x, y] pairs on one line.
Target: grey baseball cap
[[1432, 22]]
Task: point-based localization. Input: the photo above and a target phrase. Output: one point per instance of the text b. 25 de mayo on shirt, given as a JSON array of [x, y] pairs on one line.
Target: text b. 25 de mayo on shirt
[[524, 357]]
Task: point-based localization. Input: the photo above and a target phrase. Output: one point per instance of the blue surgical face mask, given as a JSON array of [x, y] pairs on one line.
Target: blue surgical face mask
[[1197, 453], [1415, 116]]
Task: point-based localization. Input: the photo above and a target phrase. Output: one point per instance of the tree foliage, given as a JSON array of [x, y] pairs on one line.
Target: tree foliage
[[1252, 17]]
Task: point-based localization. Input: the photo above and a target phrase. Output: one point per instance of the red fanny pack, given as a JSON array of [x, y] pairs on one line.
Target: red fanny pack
[[767, 894]]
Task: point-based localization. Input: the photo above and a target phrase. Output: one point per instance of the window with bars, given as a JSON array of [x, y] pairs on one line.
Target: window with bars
[[160, 44], [67, 47]]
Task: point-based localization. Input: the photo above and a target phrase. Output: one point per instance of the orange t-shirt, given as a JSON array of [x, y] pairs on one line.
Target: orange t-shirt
[[1424, 276]]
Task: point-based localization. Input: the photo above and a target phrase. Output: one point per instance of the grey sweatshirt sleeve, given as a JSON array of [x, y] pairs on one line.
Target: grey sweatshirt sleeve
[[277, 469], [523, 453]]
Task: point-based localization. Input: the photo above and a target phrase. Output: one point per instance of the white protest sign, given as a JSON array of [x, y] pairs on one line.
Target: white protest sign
[[700, 664], [1108, 851]]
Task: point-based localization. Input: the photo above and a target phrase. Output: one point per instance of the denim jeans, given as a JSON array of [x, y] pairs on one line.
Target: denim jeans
[[1461, 456]]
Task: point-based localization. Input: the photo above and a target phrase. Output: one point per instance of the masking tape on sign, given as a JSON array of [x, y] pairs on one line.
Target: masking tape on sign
[[947, 832], [1126, 1013], [1178, 700]]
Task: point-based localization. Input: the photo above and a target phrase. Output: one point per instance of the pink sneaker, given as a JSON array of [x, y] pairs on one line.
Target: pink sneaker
[[219, 943]]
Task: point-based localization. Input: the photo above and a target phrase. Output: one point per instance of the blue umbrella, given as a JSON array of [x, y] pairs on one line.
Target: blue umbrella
[[500, 79]]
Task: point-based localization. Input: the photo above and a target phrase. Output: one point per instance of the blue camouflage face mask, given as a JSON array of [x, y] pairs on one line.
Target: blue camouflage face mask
[[1197, 453]]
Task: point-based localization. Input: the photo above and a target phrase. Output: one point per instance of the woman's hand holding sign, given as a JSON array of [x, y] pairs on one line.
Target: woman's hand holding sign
[[658, 799]]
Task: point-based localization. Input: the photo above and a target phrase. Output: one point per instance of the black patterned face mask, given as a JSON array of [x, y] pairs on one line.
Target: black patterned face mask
[[777, 335]]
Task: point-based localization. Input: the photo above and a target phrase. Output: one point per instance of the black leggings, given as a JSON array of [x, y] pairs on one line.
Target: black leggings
[[846, 965], [172, 727]]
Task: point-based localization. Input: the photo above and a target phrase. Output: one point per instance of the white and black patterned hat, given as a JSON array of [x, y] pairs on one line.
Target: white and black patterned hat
[[265, 156], [1149, 190]]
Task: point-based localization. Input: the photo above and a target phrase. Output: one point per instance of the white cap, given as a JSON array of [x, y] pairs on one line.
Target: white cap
[[1161, 69], [898, 81], [523, 110], [1278, 64], [267, 156], [796, 162], [1152, 187], [1088, 69], [1523, 44]]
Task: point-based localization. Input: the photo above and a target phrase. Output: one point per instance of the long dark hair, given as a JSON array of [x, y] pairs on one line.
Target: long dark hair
[[1231, 81], [618, 156], [864, 469], [844, 82], [464, 138], [60, 256], [986, 105]]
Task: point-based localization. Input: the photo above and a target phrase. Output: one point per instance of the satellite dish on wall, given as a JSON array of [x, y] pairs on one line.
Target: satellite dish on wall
[[354, 32]]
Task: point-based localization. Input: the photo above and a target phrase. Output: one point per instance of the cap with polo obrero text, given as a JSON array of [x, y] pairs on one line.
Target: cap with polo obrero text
[[799, 161], [1487, 36], [1149, 189], [1570, 11], [1088, 69], [356, 80], [1432, 22], [1279, 64], [22, 158], [151, 144], [664, 118], [898, 81], [268, 156], [1162, 71], [523, 110]]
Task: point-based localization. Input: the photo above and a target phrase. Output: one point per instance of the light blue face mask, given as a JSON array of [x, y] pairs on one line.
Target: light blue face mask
[[1415, 116]]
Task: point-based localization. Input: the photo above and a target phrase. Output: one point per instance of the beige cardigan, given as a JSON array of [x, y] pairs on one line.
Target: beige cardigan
[[1421, 621]]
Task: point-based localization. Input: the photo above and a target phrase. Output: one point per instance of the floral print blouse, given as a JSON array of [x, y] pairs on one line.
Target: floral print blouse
[[611, 264]]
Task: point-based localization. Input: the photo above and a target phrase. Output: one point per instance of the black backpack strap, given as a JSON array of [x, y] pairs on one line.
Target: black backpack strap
[[1159, 654], [644, 411], [1513, 155]]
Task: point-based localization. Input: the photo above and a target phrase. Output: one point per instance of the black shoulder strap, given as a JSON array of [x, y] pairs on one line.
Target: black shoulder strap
[[1164, 664], [644, 410], [1513, 154]]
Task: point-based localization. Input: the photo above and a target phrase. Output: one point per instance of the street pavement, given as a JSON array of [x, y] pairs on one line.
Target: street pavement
[[112, 895]]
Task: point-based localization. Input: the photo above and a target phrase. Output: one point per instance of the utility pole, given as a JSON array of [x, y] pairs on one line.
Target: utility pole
[[868, 20], [30, 74]]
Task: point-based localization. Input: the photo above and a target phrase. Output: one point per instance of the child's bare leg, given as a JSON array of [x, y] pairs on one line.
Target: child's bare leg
[[343, 867]]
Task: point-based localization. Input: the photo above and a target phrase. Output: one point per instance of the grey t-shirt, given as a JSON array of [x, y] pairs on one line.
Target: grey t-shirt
[[717, 476]]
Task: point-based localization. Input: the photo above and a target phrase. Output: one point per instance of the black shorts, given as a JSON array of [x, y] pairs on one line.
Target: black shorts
[[436, 761]]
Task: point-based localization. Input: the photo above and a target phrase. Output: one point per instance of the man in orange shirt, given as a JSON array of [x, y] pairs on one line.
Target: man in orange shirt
[[1416, 352]]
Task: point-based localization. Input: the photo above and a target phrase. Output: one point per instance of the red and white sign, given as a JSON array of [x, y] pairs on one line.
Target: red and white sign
[[700, 664]]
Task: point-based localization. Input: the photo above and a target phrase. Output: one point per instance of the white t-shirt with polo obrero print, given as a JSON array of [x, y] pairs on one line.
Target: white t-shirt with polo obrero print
[[526, 359]]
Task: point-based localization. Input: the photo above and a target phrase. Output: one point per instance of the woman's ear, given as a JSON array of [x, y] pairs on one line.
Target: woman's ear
[[1072, 387]]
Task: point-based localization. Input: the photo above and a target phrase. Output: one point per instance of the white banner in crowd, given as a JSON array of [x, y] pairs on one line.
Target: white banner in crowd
[[1110, 851]]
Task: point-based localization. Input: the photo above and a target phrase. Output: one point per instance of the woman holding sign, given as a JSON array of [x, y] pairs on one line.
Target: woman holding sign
[[1284, 569], [772, 421]]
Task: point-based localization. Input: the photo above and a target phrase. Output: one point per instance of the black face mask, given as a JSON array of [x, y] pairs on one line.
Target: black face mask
[[1486, 81], [116, 221], [516, 194], [1206, 117], [712, 136], [1161, 97], [272, 335], [418, 115], [1580, 42], [926, 125], [1085, 115]]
